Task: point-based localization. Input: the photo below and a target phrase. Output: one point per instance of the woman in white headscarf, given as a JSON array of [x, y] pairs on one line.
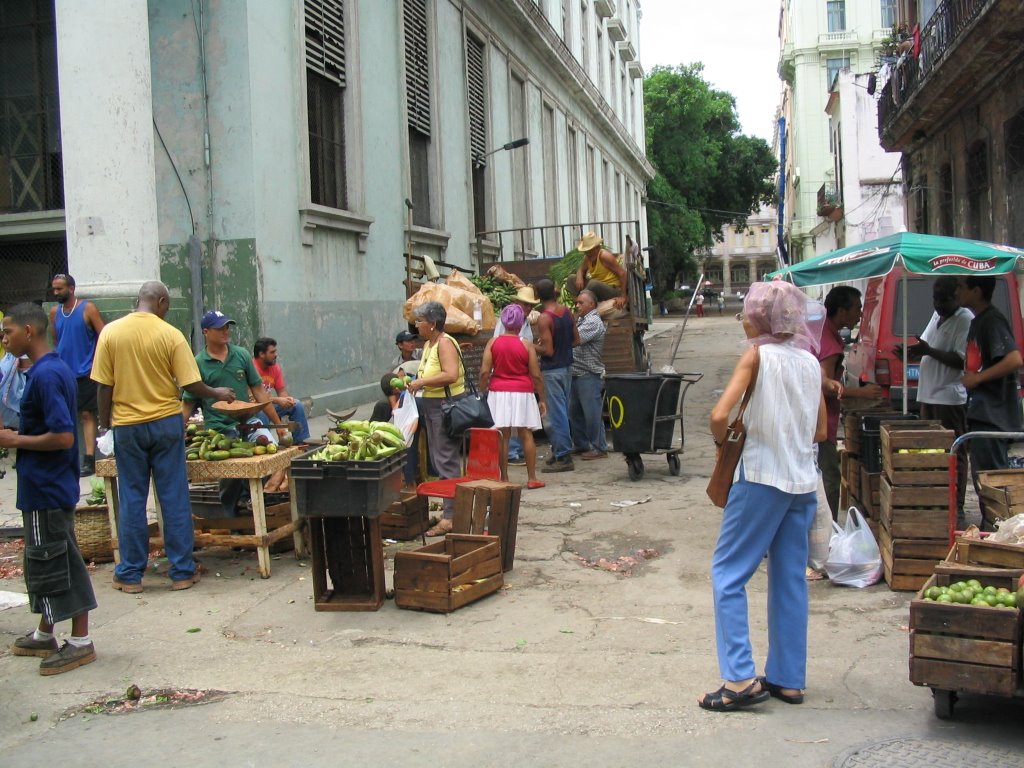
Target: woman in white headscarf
[[772, 501]]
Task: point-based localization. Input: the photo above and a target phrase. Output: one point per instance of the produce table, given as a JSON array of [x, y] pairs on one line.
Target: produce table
[[252, 469]]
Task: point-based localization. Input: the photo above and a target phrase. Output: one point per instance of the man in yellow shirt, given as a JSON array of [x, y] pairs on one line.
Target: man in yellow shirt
[[600, 273], [140, 367]]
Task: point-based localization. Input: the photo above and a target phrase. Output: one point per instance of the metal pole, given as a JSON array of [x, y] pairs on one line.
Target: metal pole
[[906, 381], [679, 337]]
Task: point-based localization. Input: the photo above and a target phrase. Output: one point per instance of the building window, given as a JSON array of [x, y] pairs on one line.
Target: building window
[[946, 200], [584, 58], [418, 108], [520, 164], [566, 23], [326, 114], [833, 65], [978, 218], [574, 176], [739, 274], [551, 243], [31, 170], [888, 14], [476, 88], [714, 274], [836, 11], [922, 219], [592, 183]]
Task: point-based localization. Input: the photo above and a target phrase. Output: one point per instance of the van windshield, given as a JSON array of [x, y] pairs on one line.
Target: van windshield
[[920, 307]]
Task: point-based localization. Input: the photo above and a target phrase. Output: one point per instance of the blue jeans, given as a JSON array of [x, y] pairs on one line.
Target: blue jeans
[[515, 447], [296, 413], [157, 449], [585, 413], [557, 383], [758, 519]]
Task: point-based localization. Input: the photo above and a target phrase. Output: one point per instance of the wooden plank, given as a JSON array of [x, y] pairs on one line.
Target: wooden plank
[[481, 570], [896, 438], [915, 523], [417, 575], [958, 676], [988, 652], [476, 591], [914, 496], [988, 553], [968, 620], [424, 601], [462, 563]]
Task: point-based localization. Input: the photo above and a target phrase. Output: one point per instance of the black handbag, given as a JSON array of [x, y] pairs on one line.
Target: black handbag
[[467, 412]]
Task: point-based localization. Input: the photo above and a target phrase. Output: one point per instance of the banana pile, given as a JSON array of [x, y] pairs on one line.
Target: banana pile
[[210, 445], [361, 441]]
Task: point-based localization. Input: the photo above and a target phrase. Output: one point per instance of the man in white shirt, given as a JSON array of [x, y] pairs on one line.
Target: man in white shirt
[[942, 349]]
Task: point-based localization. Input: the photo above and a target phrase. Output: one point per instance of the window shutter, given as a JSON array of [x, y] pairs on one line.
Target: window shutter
[[477, 101], [417, 65], [325, 38]]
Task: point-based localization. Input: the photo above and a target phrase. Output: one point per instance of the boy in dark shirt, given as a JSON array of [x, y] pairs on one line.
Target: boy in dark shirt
[[58, 583], [990, 376]]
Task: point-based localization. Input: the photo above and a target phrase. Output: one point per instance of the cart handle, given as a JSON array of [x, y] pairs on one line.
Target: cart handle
[[964, 438]]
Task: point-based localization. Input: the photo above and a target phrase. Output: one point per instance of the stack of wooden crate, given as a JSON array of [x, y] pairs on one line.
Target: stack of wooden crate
[[849, 463], [1002, 495], [914, 502]]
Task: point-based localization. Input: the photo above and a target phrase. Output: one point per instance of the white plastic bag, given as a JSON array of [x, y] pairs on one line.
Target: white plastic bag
[[406, 417], [853, 557], [820, 535], [105, 444]]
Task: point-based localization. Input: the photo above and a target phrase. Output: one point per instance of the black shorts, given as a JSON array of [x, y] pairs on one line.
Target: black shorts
[[87, 395]]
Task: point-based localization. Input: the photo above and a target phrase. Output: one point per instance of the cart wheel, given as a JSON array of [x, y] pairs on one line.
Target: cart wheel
[[636, 467], [944, 701], [673, 464]]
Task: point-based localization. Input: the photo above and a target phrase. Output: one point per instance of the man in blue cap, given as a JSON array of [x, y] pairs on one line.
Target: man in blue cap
[[223, 364]]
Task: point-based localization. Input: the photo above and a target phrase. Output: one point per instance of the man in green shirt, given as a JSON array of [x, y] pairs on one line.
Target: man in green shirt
[[223, 364]]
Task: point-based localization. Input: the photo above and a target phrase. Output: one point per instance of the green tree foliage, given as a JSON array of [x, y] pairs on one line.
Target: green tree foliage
[[709, 174]]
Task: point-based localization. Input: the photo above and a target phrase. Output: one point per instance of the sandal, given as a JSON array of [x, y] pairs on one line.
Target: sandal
[[777, 692], [535, 484], [725, 700], [813, 575], [443, 526]]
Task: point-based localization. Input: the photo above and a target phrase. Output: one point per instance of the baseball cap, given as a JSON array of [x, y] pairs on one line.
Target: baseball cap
[[405, 336], [215, 319]]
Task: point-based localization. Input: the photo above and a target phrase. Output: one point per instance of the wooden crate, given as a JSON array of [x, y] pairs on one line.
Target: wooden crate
[[913, 496], [347, 563], [1003, 493], [448, 574], [908, 563], [849, 468], [986, 554], [970, 648], [870, 489], [916, 468], [406, 519], [910, 523], [492, 507]]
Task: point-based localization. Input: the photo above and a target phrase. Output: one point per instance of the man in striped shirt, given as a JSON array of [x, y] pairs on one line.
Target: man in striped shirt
[[585, 424]]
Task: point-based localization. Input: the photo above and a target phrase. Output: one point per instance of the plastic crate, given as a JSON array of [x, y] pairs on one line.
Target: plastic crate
[[871, 438], [346, 488]]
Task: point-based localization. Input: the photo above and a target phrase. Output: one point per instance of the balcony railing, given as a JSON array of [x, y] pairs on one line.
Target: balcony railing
[[829, 201], [939, 36]]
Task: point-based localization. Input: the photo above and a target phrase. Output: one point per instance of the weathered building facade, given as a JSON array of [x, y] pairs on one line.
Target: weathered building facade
[[278, 160], [953, 104]]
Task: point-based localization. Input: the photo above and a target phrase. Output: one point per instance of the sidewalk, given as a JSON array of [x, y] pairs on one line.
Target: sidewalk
[[570, 664]]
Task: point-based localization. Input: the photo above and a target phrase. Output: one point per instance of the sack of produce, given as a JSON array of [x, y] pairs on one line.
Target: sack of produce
[[457, 302]]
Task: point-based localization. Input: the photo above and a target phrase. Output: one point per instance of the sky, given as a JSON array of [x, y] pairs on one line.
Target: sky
[[737, 41]]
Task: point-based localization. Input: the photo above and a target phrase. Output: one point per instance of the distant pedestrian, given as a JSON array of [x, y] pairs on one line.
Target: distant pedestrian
[[700, 305], [721, 304], [76, 324], [56, 578]]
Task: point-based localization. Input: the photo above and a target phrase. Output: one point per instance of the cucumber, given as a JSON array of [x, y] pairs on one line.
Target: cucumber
[[191, 457], [219, 455], [240, 453]]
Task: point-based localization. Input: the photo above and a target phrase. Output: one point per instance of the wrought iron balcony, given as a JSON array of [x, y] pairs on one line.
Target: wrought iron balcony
[[964, 45], [830, 203]]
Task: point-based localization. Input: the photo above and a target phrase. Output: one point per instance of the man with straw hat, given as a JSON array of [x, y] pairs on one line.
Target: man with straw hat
[[607, 278]]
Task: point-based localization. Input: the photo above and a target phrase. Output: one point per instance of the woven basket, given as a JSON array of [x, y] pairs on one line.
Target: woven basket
[[92, 530]]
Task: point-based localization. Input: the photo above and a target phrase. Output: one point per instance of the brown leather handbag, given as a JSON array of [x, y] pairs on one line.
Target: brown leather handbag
[[731, 449]]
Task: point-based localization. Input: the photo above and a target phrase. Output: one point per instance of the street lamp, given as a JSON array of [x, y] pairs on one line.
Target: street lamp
[[511, 145]]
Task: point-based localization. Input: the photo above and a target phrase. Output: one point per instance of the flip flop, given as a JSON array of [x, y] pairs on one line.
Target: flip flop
[[440, 529], [725, 700], [535, 484], [812, 575]]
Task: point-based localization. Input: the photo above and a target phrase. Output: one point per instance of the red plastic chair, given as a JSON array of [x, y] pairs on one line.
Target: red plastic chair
[[484, 463]]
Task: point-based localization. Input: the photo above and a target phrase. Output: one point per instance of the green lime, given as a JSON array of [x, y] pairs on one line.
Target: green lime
[[958, 587], [989, 590], [968, 594], [992, 600], [974, 583], [979, 601], [944, 598]]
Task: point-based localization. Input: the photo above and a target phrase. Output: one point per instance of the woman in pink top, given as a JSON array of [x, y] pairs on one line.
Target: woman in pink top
[[510, 377]]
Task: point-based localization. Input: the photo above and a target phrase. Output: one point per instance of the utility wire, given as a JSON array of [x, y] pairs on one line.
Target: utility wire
[[167, 152]]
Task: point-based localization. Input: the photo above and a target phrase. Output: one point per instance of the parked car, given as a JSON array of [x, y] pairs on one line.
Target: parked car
[[872, 356]]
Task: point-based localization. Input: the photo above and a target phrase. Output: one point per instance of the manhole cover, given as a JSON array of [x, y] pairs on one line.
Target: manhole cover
[[906, 752]]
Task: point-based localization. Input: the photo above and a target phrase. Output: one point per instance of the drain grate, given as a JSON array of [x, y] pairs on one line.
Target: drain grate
[[915, 753]]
